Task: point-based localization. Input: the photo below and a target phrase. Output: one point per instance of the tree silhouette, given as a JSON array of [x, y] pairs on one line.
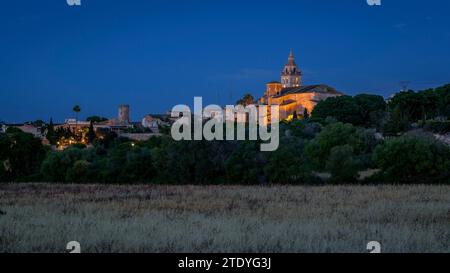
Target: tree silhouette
[[76, 109], [305, 114], [51, 132], [247, 99], [91, 133]]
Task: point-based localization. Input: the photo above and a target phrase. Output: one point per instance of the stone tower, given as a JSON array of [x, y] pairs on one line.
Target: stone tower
[[273, 88], [124, 114], [291, 76]]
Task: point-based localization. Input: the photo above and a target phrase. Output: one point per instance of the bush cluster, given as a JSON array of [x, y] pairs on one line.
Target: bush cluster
[[339, 141]]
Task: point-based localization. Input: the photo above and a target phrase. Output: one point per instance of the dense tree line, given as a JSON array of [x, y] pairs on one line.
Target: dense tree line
[[400, 113], [21, 155], [361, 110], [306, 149], [341, 140]]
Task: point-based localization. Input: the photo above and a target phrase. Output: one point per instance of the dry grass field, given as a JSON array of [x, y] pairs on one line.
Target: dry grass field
[[104, 218]]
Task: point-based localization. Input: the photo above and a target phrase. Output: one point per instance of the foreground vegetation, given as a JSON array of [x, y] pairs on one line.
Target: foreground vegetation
[[105, 218], [345, 137]]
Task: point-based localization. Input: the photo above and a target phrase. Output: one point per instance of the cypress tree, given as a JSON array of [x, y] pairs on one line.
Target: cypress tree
[[91, 134], [51, 137], [305, 114]]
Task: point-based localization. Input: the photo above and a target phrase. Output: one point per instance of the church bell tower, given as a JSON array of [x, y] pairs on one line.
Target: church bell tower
[[291, 76]]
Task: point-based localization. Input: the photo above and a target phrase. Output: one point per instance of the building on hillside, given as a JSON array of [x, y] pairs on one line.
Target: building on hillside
[[73, 124], [153, 122], [122, 122], [30, 129], [2, 127], [124, 114], [291, 95]]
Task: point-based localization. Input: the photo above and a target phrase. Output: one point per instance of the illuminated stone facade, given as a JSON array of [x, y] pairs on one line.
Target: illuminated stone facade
[[124, 114], [291, 95]]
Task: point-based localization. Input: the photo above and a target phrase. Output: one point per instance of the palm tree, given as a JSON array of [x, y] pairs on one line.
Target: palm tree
[[246, 100], [77, 110]]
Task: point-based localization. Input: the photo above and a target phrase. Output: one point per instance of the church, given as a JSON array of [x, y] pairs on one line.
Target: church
[[291, 95]]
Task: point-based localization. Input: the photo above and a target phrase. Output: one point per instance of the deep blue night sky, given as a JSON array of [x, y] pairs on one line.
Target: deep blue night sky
[[156, 54]]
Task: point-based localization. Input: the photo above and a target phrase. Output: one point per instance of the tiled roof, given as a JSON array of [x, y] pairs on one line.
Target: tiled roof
[[287, 102], [321, 88]]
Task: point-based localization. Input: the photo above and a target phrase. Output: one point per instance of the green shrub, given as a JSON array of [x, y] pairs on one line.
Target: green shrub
[[343, 165], [245, 164], [410, 159], [58, 163], [21, 155], [438, 127], [78, 172], [337, 134], [362, 110], [343, 109], [304, 128], [288, 164]]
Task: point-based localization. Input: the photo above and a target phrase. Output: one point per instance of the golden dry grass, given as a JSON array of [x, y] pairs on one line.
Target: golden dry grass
[[105, 218]]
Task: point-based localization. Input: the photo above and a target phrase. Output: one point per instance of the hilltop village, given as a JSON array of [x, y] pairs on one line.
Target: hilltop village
[[290, 94]]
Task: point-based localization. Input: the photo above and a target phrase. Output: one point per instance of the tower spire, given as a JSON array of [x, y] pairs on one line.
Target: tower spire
[[291, 57], [291, 75]]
